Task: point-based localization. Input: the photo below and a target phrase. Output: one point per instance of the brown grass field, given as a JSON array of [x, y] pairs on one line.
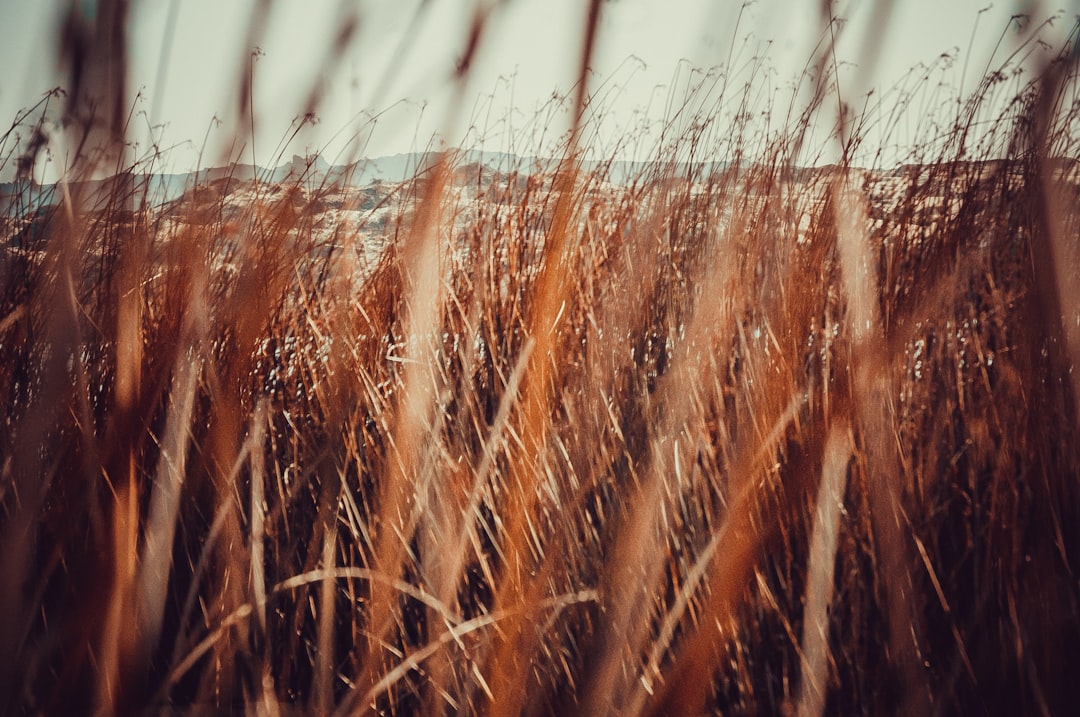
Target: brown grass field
[[753, 439]]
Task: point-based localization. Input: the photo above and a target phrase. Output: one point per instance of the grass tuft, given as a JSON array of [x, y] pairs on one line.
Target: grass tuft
[[722, 432]]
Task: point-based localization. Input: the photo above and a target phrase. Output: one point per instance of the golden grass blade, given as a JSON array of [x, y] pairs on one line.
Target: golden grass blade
[[874, 415], [824, 543], [455, 634], [156, 560]]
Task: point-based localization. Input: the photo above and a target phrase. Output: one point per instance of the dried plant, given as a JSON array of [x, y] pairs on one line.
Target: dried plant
[[726, 432]]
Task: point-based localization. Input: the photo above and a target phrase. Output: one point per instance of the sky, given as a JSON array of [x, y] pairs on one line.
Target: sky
[[392, 88]]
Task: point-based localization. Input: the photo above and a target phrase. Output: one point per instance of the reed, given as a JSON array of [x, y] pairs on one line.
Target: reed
[[736, 435]]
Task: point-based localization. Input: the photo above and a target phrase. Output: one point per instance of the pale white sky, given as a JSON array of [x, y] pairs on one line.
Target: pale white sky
[[399, 64]]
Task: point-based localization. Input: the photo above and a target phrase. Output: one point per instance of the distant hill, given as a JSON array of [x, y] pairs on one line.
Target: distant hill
[[160, 188], [21, 197]]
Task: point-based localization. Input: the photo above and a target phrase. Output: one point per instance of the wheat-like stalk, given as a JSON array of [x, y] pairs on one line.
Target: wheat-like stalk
[[722, 431]]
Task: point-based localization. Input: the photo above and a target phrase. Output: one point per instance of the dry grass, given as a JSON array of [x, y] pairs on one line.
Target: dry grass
[[772, 440]]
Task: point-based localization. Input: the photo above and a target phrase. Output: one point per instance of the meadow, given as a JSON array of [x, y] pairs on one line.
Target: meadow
[[735, 434]]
